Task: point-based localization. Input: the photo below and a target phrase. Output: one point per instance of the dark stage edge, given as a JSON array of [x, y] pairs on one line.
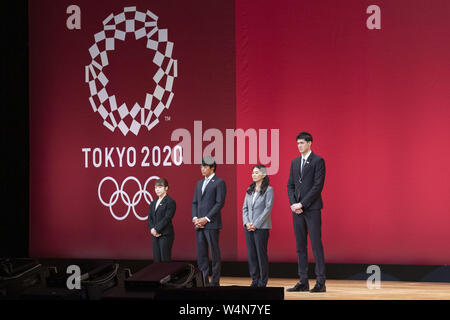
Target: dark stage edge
[[335, 271]]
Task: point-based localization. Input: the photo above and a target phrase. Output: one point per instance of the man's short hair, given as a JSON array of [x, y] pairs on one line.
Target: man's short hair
[[305, 136], [210, 162]]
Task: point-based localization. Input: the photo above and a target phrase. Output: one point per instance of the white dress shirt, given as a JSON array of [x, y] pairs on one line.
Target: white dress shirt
[[159, 201], [255, 194], [206, 181], [306, 156]]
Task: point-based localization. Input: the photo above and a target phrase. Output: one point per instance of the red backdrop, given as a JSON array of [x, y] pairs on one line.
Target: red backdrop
[[67, 219], [375, 101]]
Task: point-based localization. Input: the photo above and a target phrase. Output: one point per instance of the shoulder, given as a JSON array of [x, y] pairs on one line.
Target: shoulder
[[316, 157], [295, 160], [269, 190], [170, 199], [219, 180]]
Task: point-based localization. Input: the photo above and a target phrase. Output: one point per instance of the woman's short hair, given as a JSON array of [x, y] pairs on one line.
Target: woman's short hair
[[162, 182]]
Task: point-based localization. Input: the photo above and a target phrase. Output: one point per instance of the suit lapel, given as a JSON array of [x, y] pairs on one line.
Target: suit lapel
[[299, 166], [249, 199], [207, 186], [161, 203], [256, 199], [153, 211], [199, 190], [307, 164]]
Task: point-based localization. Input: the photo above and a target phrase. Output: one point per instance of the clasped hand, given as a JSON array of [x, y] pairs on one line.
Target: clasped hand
[[250, 226], [200, 223], [154, 233], [297, 208]]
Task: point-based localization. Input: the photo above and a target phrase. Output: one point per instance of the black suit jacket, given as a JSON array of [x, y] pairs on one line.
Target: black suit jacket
[[210, 202], [161, 218], [307, 188]]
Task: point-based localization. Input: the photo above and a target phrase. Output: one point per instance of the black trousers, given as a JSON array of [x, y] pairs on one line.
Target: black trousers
[[258, 261], [162, 248], [208, 238], [304, 223]]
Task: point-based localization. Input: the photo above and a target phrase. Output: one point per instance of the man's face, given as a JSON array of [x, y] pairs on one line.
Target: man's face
[[206, 170], [303, 146]]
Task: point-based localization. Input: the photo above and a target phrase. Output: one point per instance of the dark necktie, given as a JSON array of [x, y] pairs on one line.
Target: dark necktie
[[302, 166]]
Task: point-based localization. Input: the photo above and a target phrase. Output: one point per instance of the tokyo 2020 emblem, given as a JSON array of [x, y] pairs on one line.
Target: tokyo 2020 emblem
[[143, 26]]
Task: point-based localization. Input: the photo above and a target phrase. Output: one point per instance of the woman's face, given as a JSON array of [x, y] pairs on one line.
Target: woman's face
[[257, 175], [160, 190]]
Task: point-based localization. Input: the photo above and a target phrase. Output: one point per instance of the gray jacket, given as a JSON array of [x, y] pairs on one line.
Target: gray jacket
[[258, 212]]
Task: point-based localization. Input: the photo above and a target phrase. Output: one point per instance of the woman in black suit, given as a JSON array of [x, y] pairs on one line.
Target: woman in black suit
[[162, 210]]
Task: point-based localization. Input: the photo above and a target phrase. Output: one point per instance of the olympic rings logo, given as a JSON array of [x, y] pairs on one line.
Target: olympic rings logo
[[131, 203]]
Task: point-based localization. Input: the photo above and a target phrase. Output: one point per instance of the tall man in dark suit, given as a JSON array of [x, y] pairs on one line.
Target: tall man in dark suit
[[209, 198], [306, 181]]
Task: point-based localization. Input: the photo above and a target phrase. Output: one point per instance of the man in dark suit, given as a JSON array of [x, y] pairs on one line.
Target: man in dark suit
[[209, 198], [306, 181]]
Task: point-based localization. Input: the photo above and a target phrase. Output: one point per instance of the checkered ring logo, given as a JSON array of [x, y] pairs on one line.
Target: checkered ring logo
[[131, 118]]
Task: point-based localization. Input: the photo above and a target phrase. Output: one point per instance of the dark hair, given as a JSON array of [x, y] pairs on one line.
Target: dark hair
[[161, 182], [264, 183], [305, 136], [210, 162]]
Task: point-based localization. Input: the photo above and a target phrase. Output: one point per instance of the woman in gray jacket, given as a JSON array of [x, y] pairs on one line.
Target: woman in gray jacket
[[258, 204]]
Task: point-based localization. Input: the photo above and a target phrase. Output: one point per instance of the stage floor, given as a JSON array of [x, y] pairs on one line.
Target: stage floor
[[357, 290]]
